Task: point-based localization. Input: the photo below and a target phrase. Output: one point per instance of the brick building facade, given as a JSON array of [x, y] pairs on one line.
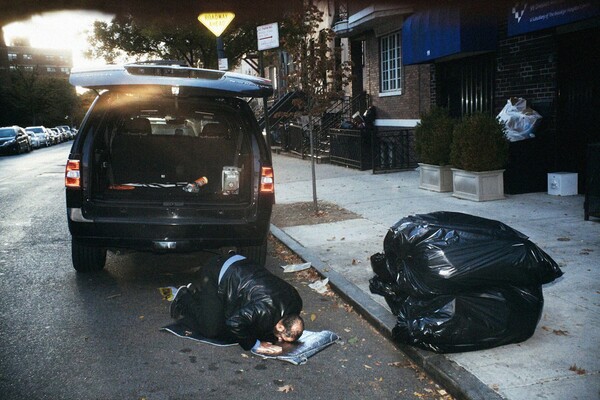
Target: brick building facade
[[548, 58]]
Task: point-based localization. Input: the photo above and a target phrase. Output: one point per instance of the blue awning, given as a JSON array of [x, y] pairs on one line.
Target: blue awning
[[441, 32]]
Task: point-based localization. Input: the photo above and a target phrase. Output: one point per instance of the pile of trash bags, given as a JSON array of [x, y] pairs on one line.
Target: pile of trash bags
[[457, 282]]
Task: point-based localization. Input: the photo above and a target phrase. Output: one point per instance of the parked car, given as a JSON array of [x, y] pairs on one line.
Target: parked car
[[55, 135], [66, 131], [14, 139], [41, 135], [168, 159]]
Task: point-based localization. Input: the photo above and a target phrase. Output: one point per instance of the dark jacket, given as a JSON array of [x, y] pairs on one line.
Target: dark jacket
[[255, 300]]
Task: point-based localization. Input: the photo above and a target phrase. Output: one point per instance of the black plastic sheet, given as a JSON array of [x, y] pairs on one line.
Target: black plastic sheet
[[457, 282], [470, 321], [448, 252]]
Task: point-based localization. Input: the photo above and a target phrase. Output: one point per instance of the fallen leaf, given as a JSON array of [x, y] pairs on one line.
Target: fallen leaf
[[353, 340], [347, 330], [560, 332], [342, 238], [313, 317], [579, 371], [141, 317], [244, 355], [367, 367], [285, 388]]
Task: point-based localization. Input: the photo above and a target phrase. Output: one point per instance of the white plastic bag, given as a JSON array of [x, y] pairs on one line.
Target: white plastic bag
[[296, 267], [319, 286], [519, 120]]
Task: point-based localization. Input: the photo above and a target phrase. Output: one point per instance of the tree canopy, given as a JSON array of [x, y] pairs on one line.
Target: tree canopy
[[128, 39], [37, 99]]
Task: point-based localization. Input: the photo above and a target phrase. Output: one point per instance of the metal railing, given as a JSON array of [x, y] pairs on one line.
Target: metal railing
[[382, 149], [394, 150]]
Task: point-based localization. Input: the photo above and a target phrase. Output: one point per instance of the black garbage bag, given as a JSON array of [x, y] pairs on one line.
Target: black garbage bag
[[470, 321], [390, 292], [448, 252]]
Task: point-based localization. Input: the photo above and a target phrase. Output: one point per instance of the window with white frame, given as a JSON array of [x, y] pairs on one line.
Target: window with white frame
[[391, 64], [12, 56]]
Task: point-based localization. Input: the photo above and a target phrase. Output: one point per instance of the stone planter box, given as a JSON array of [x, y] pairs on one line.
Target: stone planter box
[[435, 177], [478, 186]]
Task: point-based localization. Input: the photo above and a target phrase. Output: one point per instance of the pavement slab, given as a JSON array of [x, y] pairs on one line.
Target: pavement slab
[[560, 361]]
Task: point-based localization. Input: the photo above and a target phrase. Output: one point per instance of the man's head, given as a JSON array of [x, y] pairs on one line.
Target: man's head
[[289, 328]]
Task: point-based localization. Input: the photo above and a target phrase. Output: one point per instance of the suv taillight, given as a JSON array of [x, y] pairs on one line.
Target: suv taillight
[[73, 175], [267, 182]]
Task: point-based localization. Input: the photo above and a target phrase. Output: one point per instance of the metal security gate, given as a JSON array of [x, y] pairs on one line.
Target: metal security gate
[[394, 150], [466, 86], [351, 147]]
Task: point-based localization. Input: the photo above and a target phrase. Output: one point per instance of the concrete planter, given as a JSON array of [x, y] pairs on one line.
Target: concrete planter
[[478, 186], [435, 177]]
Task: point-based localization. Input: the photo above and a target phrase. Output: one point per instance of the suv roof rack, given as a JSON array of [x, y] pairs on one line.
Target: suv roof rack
[[212, 82], [179, 63]]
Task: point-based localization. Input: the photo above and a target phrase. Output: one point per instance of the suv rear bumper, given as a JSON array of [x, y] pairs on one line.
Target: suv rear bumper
[[163, 235]]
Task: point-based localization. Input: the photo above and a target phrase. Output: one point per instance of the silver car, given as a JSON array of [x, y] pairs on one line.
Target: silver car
[[40, 136]]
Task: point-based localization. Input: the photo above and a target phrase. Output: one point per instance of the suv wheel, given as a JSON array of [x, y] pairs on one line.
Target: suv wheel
[[258, 254], [87, 258]]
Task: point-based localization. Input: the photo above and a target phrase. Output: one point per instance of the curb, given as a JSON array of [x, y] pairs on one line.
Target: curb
[[458, 381]]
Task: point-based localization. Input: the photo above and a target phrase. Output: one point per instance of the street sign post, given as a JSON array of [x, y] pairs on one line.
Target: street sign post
[[268, 36], [217, 23]]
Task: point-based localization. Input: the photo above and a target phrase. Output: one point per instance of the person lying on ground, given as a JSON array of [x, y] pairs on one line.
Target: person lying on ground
[[236, 299]]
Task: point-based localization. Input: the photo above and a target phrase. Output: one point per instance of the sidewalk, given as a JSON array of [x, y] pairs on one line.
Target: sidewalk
[[560, 361]]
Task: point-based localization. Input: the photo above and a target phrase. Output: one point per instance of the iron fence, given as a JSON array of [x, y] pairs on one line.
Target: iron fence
[[382, 149], [394, 150]]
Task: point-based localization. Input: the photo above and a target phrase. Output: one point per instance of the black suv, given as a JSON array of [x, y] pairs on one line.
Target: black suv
[[168, 159]]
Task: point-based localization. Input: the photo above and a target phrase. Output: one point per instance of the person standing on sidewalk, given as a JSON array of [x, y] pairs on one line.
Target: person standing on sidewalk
[[240, 300]]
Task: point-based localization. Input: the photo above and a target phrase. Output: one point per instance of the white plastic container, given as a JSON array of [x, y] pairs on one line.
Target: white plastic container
[[562, 183]]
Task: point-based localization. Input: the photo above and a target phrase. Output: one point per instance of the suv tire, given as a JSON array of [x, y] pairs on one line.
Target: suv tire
[[258, 254], [87, 258]]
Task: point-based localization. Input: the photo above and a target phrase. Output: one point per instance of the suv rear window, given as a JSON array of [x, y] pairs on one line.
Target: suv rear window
[[149, 146]]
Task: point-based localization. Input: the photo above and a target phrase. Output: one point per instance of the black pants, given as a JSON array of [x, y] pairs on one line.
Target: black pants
[[206, 313]]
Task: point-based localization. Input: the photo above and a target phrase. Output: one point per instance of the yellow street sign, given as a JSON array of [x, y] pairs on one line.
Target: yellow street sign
[[216, 22]]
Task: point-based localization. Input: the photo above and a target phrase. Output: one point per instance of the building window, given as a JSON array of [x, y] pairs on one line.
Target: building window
[[50, 69], [64, 70], [49, 58], [27, 57], [12, 56], [28, 67], [391, 64]]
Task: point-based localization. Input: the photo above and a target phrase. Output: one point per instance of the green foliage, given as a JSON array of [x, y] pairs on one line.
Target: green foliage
[[128, 39], [433, 137], [479, 144], [38, 99], [317, 70]]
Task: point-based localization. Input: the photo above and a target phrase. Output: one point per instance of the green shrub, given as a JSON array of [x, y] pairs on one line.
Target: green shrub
[[479, 144], [433, 137]]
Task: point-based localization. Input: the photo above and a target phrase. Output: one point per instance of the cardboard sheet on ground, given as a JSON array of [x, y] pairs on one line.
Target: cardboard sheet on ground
[[309, 344]]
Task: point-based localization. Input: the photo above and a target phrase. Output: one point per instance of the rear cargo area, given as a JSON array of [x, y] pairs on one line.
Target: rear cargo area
[[181, 150]]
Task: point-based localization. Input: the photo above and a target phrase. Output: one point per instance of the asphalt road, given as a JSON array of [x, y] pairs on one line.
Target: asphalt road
[[65, 335]]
